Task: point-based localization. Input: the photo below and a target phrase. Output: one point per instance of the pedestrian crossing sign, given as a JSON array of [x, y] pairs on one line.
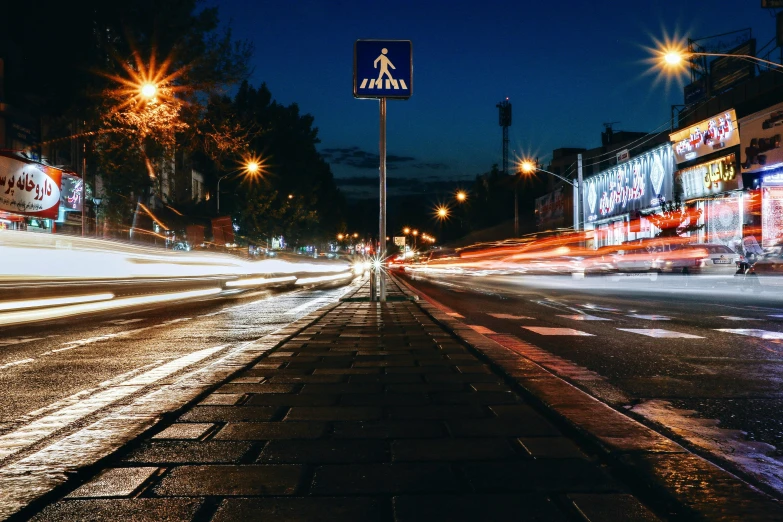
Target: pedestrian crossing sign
[[383, 69]]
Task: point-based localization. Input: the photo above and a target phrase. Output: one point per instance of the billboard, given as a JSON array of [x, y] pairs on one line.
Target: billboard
[[727, 71], [707, 179], [553, 209], [634, 185], [29, 188], [706, 137], [760, 143]]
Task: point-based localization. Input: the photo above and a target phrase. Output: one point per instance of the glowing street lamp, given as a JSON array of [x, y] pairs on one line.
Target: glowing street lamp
[[406, 230], [674, 57], [340, 237], [442, 212], [461, 196], [252, 167], [355, 235], [148, 90]]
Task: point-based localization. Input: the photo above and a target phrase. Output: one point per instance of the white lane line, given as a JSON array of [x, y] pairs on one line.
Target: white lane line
[[306, 305], [43, 427], [651, 317], [16, 363], [599, 308], [541, 330], [584, 317], [509, 316], [752, 332], [480, 329], [738, 318], [455, 314], [660, 333], [120, 322]]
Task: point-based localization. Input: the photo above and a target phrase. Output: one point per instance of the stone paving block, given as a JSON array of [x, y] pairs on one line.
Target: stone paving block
[[611, 507], [290, 399], [332, 389], [386, 429], [114, 482], [229, 414], [533, 426], [346, 371], [484, 508], [423, 387], [384, 478], [445, 411], [221, 480], [563, 475], [489, 386], [385, 399], [271, 430], [321, 379], [333, 413], [451, 450], [323, 364], [463, 377], [188, 452], [473, 397], [226, 399], [264, 387], [324, 451], [551, 448], [131, 509], [247, 380], [333, 509], [423, 370], [402, 378], [185, 431]]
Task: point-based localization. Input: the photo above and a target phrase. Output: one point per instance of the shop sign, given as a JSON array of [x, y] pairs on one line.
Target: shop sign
[[635, 185], [551, 209], [706, 137], [761, 133], [29, 188], [707, 179]]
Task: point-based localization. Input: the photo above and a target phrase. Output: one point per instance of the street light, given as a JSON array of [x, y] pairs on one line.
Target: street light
[[530, 167], [251, 168], [442, 212], [406, 230], [415, 235], [148, 90], [674, 57], [461, 196], [340, 237]]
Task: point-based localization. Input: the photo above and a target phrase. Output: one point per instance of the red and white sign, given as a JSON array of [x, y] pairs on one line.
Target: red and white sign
[[706, 137], [29, 188]]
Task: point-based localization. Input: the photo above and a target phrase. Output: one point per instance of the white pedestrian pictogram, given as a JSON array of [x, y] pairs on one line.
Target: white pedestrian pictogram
[[385, 63]]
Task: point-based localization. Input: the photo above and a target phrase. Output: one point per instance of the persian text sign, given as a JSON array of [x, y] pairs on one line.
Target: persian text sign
[[709, 178], [706, 137], [29, 188], [761, 136], [634, 185]]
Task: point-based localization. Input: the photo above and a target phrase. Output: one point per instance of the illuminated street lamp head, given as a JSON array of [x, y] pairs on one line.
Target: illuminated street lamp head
[[527, 166], [340, 237], [415, 232], [406, 230], [442, 212], [355, 234], [290, 196], [673, 58], [252, 167], [148, 90], [461, 196]]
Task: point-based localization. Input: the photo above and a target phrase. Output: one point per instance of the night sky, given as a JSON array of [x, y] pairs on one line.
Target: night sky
[[567, 66]]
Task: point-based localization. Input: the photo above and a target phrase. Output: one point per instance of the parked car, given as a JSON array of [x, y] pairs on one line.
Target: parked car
[[698, 258]]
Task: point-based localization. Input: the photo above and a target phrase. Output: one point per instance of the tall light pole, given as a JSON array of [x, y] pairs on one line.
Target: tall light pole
[[531, 167], [251, 168]]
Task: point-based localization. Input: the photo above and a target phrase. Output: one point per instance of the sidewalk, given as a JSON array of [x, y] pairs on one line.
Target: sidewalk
[[370, 413]]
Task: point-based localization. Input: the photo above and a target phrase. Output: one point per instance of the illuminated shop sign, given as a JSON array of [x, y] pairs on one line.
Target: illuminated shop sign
[[706, 137], [760, 144], [29, 188], [710, 178], [634, 185]]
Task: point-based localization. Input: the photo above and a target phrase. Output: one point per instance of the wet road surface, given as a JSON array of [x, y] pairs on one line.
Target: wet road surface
[[704, 364]]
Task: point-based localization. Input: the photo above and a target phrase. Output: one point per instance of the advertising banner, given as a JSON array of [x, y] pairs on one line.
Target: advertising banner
[[635, 185], [706, 137], [552, 209], [760, 143], [29, 188], [708, 179]]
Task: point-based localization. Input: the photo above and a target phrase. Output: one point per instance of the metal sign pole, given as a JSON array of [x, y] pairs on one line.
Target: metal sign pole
[[382, 220]]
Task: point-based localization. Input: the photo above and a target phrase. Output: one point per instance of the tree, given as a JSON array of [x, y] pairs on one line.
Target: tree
[[674, 218]]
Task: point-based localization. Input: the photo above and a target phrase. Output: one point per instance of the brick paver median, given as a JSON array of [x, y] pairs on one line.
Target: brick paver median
[[374, 412]]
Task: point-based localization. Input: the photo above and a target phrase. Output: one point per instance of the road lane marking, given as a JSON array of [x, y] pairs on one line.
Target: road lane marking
[[480, 329], [306, 305], [511, 317], [541, 330], [652, 317], [584, 317], [16, 363], [599, 308], [120, 322], [752, 332], [45, 426], [738, 318], [660, 333]]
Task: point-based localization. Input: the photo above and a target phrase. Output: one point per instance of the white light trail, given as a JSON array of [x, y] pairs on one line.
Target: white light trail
[[53, 301], [258, 281], [322, 279]]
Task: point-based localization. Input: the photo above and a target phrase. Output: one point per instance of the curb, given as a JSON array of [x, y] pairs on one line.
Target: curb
[[644, 455], [264, 346]]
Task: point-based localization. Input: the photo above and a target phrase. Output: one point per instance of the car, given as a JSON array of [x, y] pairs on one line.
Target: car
[[698, 258]]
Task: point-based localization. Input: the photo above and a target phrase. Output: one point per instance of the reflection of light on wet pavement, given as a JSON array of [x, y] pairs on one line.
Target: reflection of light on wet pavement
[[763, 334], [660, 333], [584, 317], [651, 317], [556, 331], [509, 316]]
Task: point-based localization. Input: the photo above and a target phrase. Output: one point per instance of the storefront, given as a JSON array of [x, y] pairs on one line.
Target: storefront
[[708, 177], [613, 198], [29, 194], [762, 172]]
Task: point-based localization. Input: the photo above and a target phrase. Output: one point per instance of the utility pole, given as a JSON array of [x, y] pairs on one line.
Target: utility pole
[[578, 192]]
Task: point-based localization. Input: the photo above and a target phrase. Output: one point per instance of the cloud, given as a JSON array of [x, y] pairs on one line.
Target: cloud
[[361, 159]]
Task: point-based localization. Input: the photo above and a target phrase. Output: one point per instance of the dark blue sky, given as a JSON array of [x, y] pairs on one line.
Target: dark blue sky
[[567, 66]]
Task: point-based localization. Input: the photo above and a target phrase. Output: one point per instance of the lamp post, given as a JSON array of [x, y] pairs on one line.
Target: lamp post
[[415, 235], [251, 168], [676, 57], [528, 166]]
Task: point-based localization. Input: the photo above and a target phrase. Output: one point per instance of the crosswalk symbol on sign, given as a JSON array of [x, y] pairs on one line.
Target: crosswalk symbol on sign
[[383, 69]]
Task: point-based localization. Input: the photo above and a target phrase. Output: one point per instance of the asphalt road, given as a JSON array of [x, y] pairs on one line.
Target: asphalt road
[[703, 362], [60, 376]]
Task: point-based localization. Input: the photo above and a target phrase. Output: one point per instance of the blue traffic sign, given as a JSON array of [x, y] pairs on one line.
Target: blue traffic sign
[[382, 69]]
